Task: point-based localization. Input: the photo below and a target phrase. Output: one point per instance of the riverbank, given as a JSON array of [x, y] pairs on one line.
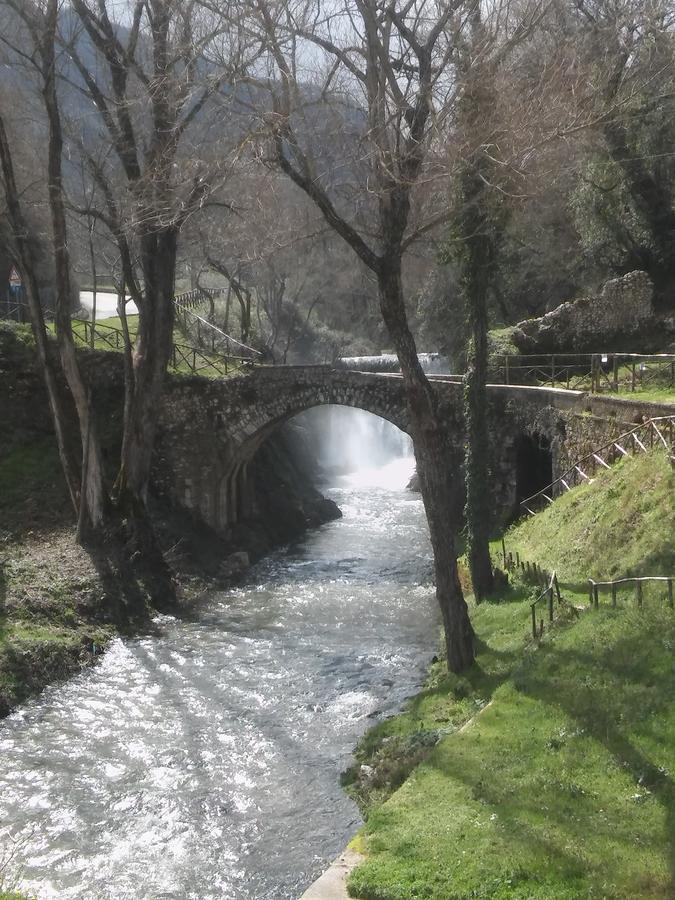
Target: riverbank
[[544, 771], [61, 604]]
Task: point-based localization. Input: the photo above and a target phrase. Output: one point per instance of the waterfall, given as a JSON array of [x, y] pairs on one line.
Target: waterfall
[[354, 443]]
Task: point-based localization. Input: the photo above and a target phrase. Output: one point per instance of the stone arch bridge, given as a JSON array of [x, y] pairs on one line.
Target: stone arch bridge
[[210, 430]]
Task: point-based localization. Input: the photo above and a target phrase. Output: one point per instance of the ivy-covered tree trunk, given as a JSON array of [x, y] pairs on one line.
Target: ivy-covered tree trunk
[[438, 477], [475, 264]]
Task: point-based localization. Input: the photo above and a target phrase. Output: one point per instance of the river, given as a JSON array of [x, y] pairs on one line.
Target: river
[[203, 761]]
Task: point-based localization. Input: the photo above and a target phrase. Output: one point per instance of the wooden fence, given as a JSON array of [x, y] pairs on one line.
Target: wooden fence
[[193, 298], [594, 588], [659, 431], [547, 596], [532, 572]]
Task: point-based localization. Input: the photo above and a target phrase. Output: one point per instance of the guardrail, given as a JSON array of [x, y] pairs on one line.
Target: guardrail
[[659, 430], [596, 372]]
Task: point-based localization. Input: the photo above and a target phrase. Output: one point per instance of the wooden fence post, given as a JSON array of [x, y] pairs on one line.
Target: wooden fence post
[[596, 596], [504, 554], [613, 594], [534, 621], [557, 587], [590, 591], [550, 604]]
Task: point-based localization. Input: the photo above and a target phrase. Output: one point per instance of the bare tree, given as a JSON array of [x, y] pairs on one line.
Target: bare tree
[[24, 254], [398, 63], [396, 56], [40, 22], [152, 82]]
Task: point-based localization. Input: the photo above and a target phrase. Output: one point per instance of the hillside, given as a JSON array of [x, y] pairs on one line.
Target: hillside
[[560, 785], [621, 524]]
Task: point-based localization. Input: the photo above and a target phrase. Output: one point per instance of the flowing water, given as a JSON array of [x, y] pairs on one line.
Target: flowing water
[[204, 761]]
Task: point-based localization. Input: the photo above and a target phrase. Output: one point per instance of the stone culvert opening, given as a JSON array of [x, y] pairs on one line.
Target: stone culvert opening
[[534, 465]]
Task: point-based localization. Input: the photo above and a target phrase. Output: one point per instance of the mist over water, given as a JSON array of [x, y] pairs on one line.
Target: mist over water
[[346, 440], [203, 762]]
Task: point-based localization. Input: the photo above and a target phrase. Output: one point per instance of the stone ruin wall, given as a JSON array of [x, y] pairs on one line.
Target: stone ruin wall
[[618, 318]]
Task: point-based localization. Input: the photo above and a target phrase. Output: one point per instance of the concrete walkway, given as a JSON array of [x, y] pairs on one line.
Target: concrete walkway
[[331, 885]]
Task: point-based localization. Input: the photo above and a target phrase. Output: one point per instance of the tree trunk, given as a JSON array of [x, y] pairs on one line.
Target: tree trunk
[[28, 267], [145, 383], [434, 465], [94, 283], [150, 360], [475, 261], [92, 493]]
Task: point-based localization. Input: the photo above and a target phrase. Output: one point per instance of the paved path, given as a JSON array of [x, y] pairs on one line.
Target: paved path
[[106, 304], [331, 885]]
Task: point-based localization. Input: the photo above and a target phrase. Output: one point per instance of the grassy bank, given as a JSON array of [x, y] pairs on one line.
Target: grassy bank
[[52, 599], [561, 783], [621, 524], [210, 365]]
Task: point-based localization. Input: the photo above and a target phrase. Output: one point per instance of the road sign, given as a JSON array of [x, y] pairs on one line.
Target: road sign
[[14, 278]]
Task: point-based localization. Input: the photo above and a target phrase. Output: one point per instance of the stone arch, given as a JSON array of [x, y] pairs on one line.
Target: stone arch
[[266, 421]]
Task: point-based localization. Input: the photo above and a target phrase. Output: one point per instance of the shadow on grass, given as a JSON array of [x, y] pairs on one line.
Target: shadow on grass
[[618, 698], [601, 701], [561, 829]]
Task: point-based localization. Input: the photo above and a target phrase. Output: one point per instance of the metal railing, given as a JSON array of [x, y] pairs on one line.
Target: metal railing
[[183, 356], [596, 372], [658, 431]]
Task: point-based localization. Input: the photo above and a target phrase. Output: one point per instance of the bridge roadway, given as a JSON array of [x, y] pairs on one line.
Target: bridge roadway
[[211, 428]]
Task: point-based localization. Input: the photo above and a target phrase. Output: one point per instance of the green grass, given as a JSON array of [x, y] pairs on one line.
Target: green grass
[[210, 365], [561, 787], [651, 395], [395, 746], [621, 524]]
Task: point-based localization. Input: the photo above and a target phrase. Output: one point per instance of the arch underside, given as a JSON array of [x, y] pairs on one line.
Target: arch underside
[[260, 420]]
